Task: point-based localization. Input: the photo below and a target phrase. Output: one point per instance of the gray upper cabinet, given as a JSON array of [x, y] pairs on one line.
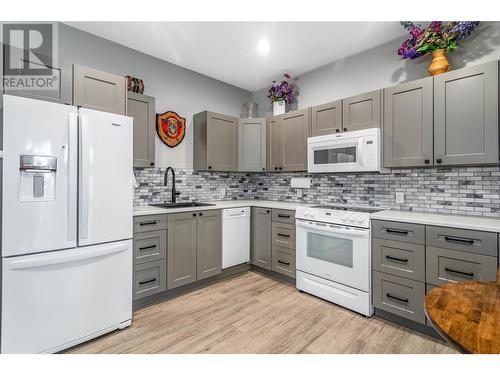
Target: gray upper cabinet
[[362, 111], [326, 118], [466, 115], [209, 244], [288, 141], [252, 145], [261, 237], [215, 142], [272, 150], [142, 109], [98, 90], [408, 124], [181, 249]]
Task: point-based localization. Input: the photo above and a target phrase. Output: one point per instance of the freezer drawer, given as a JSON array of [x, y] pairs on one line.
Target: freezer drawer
[[55, 300]]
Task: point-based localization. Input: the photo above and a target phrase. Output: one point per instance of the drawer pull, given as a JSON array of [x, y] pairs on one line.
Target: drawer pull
[[148, 223], [284, 216], [401, 232], [284, 235], [467, 241], [404, 300], [468, 274], [283, 262], [397, 259], [147, 247], [147, 281]]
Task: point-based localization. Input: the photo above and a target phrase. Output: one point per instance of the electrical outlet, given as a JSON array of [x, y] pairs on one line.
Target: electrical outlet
[[400, 197]]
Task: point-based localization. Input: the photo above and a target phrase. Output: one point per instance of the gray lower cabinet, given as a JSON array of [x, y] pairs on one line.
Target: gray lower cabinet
[[283, 235], [466, 115], [399, 296], [208, 244], [252, 145], [149, 279], [150, 246], [261, 237], [397, 231], [283, 261], [194, 247], [408, 124], [287, 141], [181, 254], [326, 118], [215, 142], [142, 109], [362, 111], [101, 91]]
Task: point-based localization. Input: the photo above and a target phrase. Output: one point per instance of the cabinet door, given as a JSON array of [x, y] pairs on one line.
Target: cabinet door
[[209, 244], [252, 145], [142, 109], [261, 240], [362, 111], [181, 249], [408, 120], [466, 115], [293, 133], [326, 118], [273, 153], [222, 142], [98, 90]]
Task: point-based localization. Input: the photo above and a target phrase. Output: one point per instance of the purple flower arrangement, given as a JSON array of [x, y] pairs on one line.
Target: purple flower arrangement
[[437, 35], [282, 90]]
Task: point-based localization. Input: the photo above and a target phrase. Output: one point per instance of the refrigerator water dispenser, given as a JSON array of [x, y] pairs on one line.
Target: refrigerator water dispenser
[[37, 180]]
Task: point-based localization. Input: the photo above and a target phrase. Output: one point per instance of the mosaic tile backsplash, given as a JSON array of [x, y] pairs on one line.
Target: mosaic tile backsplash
[[454, 190]]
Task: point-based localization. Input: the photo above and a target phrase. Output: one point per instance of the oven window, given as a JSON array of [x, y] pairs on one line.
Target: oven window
[[330, 249], [335, 155]]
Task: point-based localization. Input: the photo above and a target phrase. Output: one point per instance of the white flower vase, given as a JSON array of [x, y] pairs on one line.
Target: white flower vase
[[279, 107]]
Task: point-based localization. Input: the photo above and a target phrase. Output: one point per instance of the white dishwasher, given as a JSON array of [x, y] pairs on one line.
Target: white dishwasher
[[235, 236]]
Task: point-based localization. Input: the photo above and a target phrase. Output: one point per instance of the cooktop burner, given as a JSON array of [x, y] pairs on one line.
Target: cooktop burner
[[368, 210]]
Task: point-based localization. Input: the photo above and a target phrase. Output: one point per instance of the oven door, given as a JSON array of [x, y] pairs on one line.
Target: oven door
[[335, 155], [334, 252]]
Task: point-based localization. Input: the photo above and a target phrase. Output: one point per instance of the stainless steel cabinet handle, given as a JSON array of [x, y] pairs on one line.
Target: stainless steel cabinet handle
[[147, 247], [404, 300], [283, 262], [402, 260], [467, 241], [468, 274], [147, 281]]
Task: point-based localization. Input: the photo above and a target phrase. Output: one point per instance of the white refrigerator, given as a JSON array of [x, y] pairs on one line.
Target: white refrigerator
[[67, 198]]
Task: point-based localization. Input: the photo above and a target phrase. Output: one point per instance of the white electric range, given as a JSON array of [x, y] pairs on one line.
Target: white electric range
[[333, 247]]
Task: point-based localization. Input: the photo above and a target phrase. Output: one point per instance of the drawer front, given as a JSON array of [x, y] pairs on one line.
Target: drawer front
[[150, 278], [396, 231], [283, 235], [428, 288], [399, 296], [150, 223], [399, 258], [283, 216], [150, 246], [471, 241], [444, 266], [283, 260]]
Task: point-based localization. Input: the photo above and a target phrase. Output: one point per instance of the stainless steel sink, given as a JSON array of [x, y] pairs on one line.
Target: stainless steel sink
[[182, 204]]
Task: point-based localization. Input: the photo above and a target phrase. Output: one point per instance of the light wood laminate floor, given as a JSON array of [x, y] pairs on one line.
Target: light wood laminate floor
[[252, 313]]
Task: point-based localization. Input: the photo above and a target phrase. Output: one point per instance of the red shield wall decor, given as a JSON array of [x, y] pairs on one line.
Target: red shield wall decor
[[171, 128]]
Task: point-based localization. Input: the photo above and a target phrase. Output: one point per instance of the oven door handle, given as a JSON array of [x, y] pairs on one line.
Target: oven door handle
[[331, 228]]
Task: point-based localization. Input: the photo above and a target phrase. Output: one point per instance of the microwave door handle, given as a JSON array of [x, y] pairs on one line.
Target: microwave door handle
[[360, 151]]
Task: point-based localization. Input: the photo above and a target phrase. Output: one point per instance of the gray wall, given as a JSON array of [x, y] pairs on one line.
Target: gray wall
[[175, 88], [381, 67]]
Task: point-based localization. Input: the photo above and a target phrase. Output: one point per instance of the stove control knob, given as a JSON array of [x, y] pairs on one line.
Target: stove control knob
[[352, 219], [344, 217], [360, 220], [312, 214], [306, 213]]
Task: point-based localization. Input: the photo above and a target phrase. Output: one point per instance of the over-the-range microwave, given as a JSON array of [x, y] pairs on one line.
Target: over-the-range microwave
[[356, 151]]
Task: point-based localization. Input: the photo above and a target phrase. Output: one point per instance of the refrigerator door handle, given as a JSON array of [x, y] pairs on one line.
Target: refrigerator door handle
[[43, 260], [84, 183], [72, 178]]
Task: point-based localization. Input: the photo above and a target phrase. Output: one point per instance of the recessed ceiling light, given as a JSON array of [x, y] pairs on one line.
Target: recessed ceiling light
[[263, 47]]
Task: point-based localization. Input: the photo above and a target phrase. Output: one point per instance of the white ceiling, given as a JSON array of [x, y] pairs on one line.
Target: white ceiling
[[228, 52]]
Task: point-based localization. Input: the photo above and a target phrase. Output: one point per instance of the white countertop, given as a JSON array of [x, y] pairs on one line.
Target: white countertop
[[444, 220], [150, 210]]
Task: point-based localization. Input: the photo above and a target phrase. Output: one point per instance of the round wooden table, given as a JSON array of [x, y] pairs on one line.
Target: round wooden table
[[467, 314]]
